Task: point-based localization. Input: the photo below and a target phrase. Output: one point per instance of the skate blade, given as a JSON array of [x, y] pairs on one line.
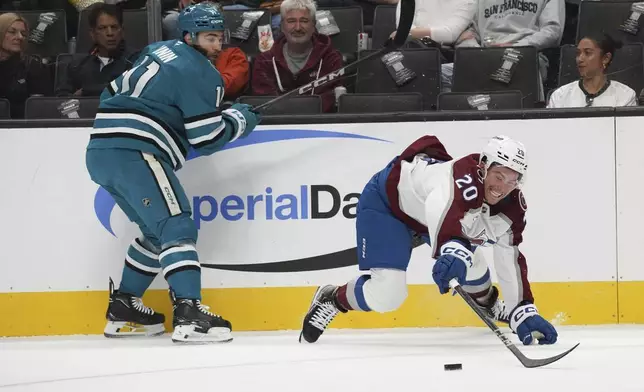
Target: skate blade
[[125, 329], [186, 334], [303, 339]]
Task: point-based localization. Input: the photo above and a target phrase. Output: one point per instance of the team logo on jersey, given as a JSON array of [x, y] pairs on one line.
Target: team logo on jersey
[[522, 203], [481, 239]]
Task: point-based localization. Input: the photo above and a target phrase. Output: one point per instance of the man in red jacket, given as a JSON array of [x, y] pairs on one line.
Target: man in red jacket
[[299, 56]]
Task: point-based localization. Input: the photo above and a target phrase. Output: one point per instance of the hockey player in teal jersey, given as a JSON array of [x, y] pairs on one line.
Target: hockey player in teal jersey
[[148, 119]]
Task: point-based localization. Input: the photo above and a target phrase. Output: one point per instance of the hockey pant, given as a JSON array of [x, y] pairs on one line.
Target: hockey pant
[[384, 246], [149, 193]]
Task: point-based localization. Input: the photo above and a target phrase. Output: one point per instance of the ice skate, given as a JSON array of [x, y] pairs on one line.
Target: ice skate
[[323, 310], [193, 323], [495, 307], [127, 316]]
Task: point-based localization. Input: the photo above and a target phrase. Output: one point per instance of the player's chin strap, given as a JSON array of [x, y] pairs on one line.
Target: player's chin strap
[[525, 361], [407, 11]]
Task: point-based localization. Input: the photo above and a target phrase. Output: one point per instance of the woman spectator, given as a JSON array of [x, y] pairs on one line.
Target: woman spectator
[[594, 88], [22, 75]]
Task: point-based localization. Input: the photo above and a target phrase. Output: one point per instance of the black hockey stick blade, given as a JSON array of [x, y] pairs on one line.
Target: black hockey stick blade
[[407, 10], [525, 361], [533, 363]]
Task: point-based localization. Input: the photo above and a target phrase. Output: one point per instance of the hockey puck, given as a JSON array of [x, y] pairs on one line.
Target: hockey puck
[[453, 366]]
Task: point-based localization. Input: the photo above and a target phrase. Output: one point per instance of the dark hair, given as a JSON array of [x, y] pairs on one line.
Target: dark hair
[[606, 44], [97, 9]]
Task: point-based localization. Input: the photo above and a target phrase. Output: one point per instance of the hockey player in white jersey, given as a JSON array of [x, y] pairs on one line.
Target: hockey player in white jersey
[[456, 206]]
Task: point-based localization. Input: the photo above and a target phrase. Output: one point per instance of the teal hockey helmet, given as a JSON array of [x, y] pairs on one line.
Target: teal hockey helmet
[[200, 17]]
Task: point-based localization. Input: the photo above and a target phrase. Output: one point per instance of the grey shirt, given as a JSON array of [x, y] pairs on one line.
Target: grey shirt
[[538, 23], [296, 61]]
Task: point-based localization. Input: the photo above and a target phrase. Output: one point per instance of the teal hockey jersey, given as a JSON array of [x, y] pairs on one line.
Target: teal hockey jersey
[[168, 102]]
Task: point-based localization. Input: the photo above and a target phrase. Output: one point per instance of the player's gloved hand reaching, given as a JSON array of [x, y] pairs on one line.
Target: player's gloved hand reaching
[[453, 262], [528, 325], [250, 118]]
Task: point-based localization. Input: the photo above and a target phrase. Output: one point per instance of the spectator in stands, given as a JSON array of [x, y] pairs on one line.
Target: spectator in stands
[[594, 88], [234, 68], [538, 23], [22, 75], [298, 57], [90, 74], [441, 20]]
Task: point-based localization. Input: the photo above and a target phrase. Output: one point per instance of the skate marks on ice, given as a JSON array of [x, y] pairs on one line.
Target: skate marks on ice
[[368, 360]]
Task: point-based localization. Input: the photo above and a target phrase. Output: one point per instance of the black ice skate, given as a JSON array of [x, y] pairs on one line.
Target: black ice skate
[[193, 323], [127, 316], [495, 307], [323, 310]]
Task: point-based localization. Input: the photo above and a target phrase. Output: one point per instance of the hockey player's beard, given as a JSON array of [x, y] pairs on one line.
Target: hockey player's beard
[[211, 57]]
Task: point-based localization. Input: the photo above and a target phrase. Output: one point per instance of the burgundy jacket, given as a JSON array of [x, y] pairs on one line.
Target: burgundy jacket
[[271, 75]]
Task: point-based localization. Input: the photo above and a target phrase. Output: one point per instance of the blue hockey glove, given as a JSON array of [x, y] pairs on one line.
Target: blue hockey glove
[[243, 118], [453, 262], [528, 325]]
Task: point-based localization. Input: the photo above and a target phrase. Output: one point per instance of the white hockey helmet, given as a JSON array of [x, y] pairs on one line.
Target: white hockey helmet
[[507, 152]]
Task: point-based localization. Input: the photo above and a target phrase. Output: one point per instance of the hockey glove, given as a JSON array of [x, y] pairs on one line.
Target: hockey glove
[[453, 262], [528, 325], [243, 119]]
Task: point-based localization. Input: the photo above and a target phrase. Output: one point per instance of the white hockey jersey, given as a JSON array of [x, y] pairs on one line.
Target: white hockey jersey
[[444, 198]]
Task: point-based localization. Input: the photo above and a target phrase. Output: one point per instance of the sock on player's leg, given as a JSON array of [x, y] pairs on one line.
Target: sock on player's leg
[[182, 270], [478, 287], [141, 267], [350, 296]]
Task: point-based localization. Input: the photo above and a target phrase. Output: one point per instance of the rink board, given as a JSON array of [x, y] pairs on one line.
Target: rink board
[[276, 218]]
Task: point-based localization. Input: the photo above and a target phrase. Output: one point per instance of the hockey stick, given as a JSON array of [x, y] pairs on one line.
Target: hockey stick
[[407, 10], [525, 361]]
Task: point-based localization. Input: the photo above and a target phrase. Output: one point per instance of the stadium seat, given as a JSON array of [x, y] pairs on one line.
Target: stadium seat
[[62, 61], [48, 107], [510, 99], [234, 19], [304, 104], [373, 76], [384, 23], [627, 66], [55, 37], [135, 30], [473, 67], [349, 21], [380, 103], [607, 16], [5, 112]]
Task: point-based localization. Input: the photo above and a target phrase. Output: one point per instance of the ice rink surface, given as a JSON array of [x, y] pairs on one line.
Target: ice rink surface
[[610, 358]]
